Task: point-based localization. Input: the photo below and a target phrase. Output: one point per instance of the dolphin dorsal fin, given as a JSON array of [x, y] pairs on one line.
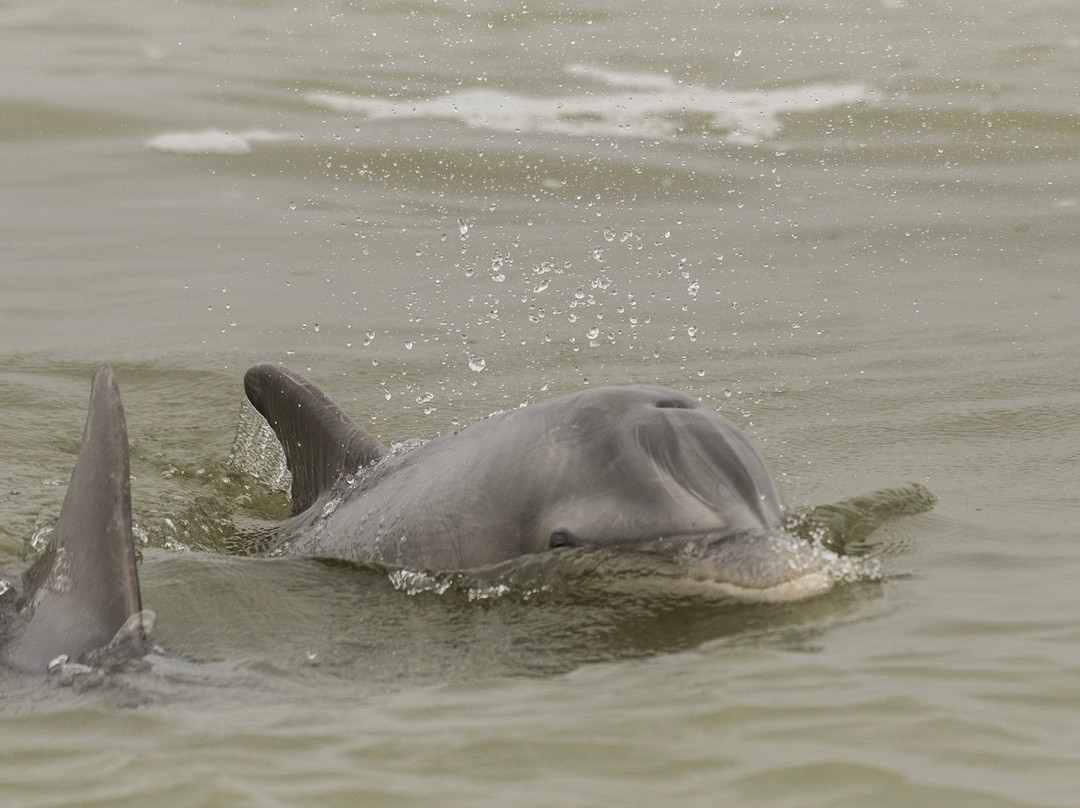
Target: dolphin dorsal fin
[[84, 586], [321, 442]]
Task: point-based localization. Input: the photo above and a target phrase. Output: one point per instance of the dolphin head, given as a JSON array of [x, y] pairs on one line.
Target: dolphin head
[[653, 469]]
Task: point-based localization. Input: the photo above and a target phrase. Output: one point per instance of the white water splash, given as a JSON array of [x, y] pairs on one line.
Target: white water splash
[[413, 582], [633, 105], [257, 452], [212, 141]]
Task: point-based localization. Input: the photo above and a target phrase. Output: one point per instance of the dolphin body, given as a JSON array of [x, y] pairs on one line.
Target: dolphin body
[[641, 467], [80, 599]]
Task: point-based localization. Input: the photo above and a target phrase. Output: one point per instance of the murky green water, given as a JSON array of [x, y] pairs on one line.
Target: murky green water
[[853, 228]]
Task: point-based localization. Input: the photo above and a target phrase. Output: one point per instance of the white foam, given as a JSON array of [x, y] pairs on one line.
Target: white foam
[[212, 141], [637, 105], [414, 582]]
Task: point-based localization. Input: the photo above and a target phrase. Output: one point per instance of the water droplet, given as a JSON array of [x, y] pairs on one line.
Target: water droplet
[[463, 228], [477, 363], [408, 346], [41, 538]]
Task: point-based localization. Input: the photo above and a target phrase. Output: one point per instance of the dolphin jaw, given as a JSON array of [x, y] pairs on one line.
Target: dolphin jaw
[[753, 566], [815, 582]]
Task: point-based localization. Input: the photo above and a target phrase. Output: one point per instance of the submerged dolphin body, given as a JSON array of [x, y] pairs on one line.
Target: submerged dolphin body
[[635, 467], [80, 599]]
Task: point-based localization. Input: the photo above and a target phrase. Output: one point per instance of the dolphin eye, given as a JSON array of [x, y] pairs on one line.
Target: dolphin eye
[[560, 538]]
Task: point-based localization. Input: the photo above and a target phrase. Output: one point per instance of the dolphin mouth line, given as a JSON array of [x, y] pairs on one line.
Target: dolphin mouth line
[[754, 566], [814, 582]]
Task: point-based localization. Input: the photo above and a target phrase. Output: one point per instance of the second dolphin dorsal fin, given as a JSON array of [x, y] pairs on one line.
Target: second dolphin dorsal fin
[[321, 442], [84, 586]]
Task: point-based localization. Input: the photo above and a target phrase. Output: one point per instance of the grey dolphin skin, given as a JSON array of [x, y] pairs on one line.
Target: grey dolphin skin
[[637, 466], [80, 599]]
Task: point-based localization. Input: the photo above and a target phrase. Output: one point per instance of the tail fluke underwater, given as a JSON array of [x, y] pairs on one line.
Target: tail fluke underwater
[[81, 597]]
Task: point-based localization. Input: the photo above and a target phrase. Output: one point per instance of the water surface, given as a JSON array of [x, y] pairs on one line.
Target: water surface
[[852, 228]]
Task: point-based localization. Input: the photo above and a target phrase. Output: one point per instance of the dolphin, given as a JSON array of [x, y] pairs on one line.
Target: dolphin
[[80, 600], [636, 467]]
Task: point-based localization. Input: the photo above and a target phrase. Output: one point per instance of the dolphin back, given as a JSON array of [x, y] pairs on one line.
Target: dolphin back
[[320, 441], [84, 587]]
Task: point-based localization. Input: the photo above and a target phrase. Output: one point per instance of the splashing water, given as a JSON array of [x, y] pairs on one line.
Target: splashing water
[[212, 141], [256, 451], [638, 105]]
